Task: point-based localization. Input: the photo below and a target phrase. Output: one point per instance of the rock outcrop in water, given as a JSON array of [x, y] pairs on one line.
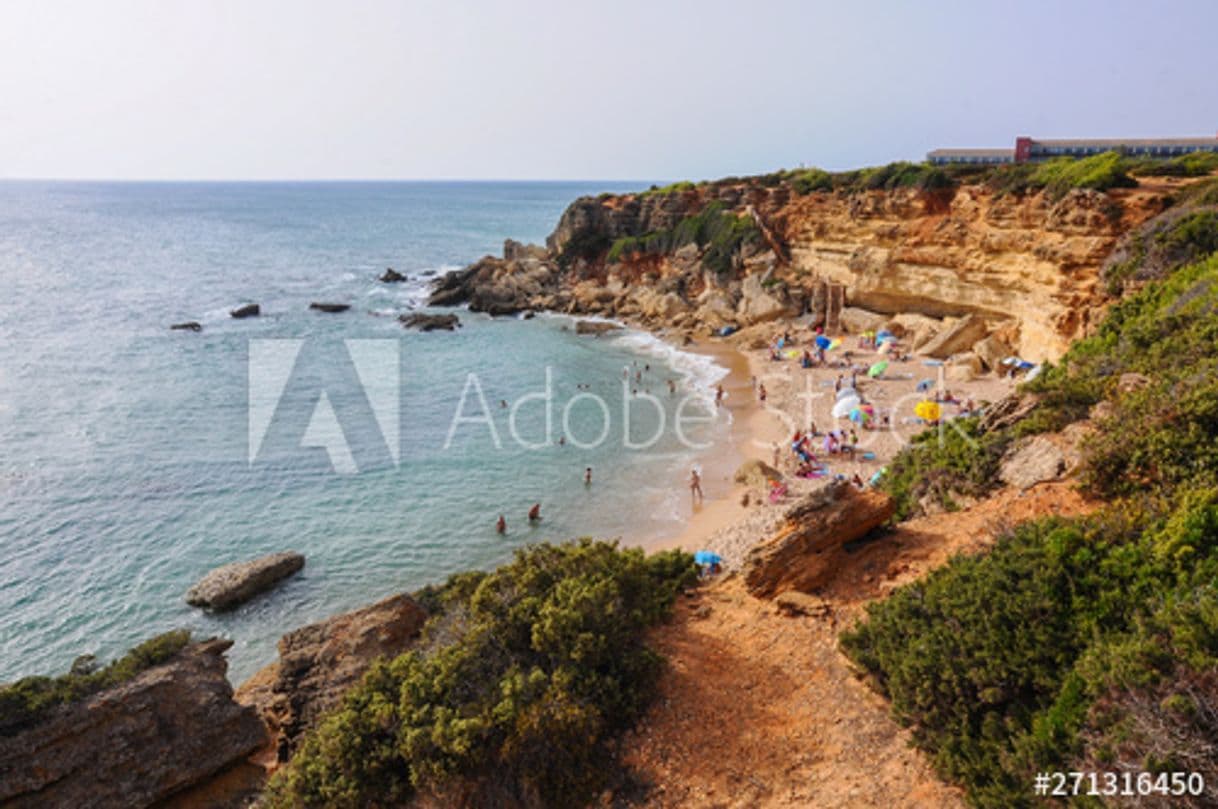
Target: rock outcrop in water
[[248, 310], [135, 744], [391, 276], [426, 322], [319, 662], [332, 308], [237, 582], [189, 325]]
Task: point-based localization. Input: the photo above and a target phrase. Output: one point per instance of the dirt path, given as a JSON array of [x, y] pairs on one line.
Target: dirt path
[[759, 709]]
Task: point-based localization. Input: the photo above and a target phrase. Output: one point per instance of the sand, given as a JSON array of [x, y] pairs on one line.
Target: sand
[[796, 399]]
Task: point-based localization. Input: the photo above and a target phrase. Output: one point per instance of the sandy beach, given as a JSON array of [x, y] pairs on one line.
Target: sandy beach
[[734, 516]]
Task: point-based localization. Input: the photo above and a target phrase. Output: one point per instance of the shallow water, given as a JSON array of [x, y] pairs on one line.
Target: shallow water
[[131, 464]]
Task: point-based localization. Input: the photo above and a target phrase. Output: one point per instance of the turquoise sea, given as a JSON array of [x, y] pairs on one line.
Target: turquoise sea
[[130, 464]]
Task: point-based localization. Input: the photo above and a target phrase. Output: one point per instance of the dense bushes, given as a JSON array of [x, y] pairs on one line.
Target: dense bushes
[[26, 702], [1197, 164], [525, 674], [1058, 176], [1162, 245], [953, 460], [716, 231], [1086, 644]]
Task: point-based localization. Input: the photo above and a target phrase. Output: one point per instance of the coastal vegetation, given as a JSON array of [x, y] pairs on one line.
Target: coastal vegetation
[[1101, 650], [28, 701], [716, 231], [524, 676]]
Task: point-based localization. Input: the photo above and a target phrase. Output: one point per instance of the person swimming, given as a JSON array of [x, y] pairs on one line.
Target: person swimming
[[501, 525], [588, 476], [695, 485]]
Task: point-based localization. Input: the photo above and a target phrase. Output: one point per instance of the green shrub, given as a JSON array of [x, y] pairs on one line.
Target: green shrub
[[27, 702], [1162, 245], [1056, 177], [671, 188], [1197, 164], [718, 232], [808, 181], [523, 677]]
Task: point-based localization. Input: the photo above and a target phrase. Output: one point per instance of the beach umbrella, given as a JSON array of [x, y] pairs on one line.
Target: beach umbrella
[[878, 369], [822, 341], [842, 409], [837, 341], [707, 558], [884, 334], [925, 385], [792, 353], [845, 392], [858, 415], [886, 347], [928, 410]]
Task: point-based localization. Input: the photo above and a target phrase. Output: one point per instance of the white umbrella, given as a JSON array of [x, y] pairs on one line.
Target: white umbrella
[[844, 406]]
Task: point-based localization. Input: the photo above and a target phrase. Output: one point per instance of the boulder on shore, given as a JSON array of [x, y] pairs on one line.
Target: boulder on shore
[[756, 473], [319, 662], [391, 276], [1035, 460], [807, 550], [595, 327], [247, 310], [189, 325], [426, 322], [237, 582], [330, 307], [136, 743], [961, 336]]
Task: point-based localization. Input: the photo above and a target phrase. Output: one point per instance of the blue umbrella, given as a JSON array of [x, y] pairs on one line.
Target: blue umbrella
[[707, 558], [822, 341], [925, 385]]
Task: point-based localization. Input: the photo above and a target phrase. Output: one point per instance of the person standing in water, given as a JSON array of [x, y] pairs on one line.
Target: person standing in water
[[501, 525], [588, 476], [695, 485], [535, 513]]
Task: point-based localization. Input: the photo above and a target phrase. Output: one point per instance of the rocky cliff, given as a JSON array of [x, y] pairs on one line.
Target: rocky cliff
[[170, 727], [1027, 265]]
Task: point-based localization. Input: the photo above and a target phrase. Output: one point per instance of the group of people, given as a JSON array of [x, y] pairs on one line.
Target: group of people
[[534, 518]]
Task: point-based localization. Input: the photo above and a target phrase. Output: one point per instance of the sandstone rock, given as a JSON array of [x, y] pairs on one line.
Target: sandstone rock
[[190, 325], [135, 744], [426, 322], [757, 303], [807, 549], [793, 602], [964, 367], [1007, 411], [992, 351], [391, 276], [756, 473], [655, 305], [319, 662], [959, 337], [856, 321], [237, 582], [248, 310], [595, 327], [332, 308], [1032, 461], [916, 330], [514, 251]]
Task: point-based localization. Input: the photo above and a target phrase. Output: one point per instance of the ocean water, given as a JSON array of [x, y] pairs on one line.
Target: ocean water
[[133, 459]]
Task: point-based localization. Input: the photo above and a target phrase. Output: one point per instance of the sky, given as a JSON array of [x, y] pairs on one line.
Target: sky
[[397, 89]]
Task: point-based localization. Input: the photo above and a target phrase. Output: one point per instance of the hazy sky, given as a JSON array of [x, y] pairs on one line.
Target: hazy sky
[[624, 89]]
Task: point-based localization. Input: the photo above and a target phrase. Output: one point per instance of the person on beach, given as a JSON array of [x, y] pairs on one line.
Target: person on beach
[[837, 384], [718, 396], [501, 525], [672, 388], [761, 392], [588, 476], [535, 513], [695, 485]]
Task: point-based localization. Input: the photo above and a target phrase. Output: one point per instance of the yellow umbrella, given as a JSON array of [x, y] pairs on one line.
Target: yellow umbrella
[[928, 410]]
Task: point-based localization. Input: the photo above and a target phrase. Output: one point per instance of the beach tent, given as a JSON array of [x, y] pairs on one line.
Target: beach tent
[[707, 558], [877, 370], [928, 410], [1035, 372], [843, 407], [822, 341]]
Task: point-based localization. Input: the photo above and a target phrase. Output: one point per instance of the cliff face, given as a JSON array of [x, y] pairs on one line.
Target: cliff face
[[170, 727], [1028, 265]]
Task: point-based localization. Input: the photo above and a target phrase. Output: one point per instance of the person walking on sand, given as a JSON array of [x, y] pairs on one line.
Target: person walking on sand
[[501, 525], [588, 476], [695, 486], [761, 392], [718, 396], [535, 513]]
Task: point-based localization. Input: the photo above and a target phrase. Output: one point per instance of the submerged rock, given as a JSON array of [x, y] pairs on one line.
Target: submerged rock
[[391, 276], [329, 307], [189, 325], [237, 582], [319, 662], [137, 743], [425, 322], [807, 550], [248, 310]]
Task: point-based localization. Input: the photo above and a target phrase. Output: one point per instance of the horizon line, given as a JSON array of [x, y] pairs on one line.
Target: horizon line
[[328, 180]]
